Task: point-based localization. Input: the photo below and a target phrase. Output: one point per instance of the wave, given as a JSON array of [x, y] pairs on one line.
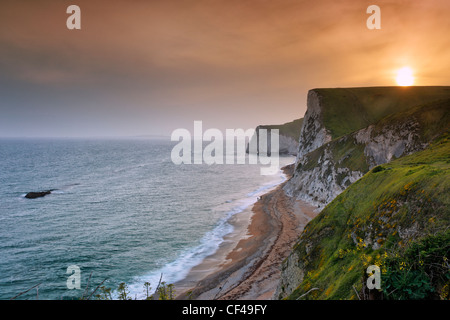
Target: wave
[[179, 269], [57, 191]]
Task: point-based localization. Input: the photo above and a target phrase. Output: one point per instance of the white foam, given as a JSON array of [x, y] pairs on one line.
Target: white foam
[[178, 269]]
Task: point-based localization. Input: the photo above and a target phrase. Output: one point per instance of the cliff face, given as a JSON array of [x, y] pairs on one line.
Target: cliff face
[[288, 145], [288, 136], [313, 132], [345, 134], [395, 217], [323, 174], [326, 166]]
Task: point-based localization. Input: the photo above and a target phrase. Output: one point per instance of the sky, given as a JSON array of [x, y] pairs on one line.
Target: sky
[[148, 67]]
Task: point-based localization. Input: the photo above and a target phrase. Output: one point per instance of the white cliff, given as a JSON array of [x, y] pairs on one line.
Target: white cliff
[[326, 167]]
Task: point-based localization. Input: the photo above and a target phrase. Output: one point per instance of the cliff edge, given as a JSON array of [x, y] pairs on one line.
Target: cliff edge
[[346, 132], [375, 161]]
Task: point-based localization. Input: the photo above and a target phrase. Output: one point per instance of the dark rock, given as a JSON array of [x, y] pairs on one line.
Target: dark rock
[[34, 195]]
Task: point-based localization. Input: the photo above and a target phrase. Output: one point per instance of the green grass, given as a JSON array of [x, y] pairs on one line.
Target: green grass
[[369, 222], [433, 119], [349, 109]]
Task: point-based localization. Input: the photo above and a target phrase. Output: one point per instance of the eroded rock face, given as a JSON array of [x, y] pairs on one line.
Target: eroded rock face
[[288, 138], [324, 170], [313, 133], [391, 142], [322, 183], [326, 167], [288, 146], [292, 277]]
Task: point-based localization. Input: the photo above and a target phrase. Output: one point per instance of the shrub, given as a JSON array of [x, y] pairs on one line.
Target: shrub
[[377, 169], [421, 271]]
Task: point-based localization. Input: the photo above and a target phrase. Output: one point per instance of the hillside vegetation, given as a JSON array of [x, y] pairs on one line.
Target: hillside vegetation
[[349, 109], [396, 217], [349, 151], [373, 126]]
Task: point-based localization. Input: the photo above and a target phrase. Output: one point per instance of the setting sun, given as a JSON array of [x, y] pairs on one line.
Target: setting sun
[[405, 77]]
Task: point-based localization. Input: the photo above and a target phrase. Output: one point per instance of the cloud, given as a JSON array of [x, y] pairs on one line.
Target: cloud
[[212, 57]]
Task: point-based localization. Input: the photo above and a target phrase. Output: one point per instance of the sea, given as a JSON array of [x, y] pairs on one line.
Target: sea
[[120, 211]]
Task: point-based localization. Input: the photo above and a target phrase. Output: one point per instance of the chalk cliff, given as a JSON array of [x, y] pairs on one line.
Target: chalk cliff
[[371, 160], [328, 163], [288, 137]]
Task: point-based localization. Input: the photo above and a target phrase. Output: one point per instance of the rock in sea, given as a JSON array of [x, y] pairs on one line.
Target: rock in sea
[[34, 195]]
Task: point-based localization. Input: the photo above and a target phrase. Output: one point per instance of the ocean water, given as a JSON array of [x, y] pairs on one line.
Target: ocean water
[[120, 211]]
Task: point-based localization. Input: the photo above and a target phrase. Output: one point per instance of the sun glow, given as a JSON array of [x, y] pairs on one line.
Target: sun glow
[[405, 77]]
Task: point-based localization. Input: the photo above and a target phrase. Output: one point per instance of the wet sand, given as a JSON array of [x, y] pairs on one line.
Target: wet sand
[[248, 264]]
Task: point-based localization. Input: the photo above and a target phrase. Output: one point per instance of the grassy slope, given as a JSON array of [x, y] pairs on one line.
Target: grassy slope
[[433, 119], [349, 109], [409, 194]]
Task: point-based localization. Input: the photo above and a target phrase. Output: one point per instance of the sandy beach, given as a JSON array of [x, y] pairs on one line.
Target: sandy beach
[[247, 265]]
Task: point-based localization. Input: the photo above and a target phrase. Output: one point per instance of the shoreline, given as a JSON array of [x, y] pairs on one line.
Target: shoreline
[[247, 264]]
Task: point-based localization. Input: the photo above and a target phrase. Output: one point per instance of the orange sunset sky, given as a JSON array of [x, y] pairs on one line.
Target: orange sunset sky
[[149, 67]]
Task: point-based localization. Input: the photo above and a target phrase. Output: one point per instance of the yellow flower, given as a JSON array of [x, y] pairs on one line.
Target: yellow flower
[[307, 286], [444, 292]]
